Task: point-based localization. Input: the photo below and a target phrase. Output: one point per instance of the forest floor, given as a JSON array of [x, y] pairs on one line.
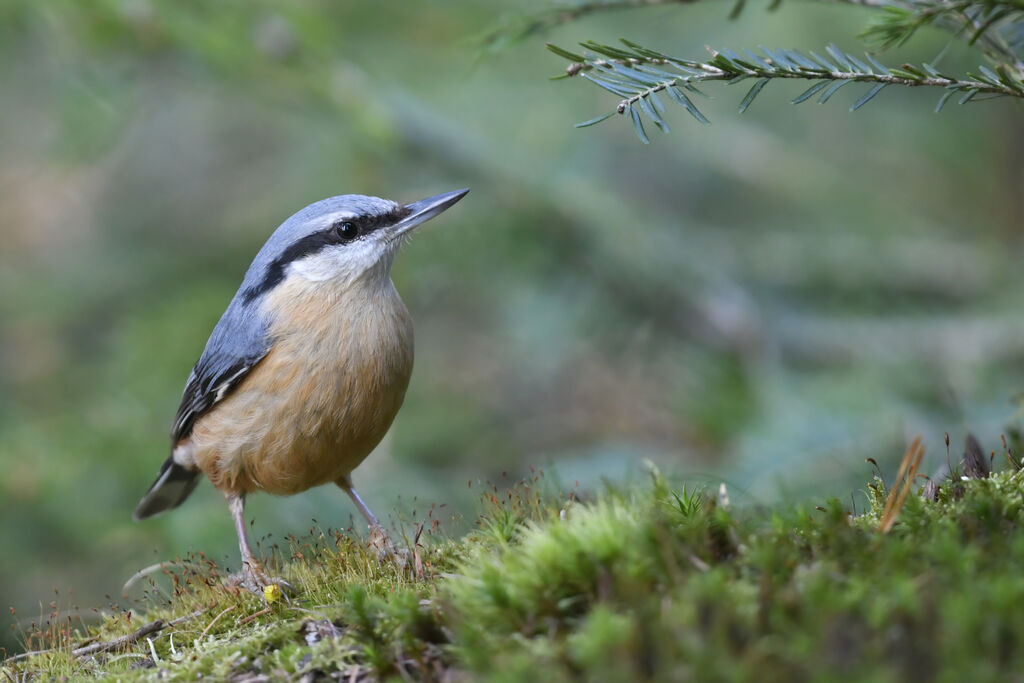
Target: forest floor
[[656, 582]]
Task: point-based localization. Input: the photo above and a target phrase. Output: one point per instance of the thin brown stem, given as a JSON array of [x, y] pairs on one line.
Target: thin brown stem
[[116, 643]]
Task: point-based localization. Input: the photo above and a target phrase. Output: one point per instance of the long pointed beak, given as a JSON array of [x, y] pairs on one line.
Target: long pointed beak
[[424, 210]]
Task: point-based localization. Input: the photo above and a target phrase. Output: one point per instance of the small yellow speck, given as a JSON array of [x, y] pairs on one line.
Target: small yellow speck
[[272, 593]]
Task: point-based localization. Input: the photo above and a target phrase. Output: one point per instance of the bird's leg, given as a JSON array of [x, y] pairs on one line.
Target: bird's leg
[[378, 536], [346, 484], [252, 577], [250, 566]]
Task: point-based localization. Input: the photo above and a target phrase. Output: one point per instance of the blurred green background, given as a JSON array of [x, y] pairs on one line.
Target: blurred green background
[[766, 300]]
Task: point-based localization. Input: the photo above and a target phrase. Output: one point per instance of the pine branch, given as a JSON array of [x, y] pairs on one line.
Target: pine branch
[[521, 27], [638, 75], [983, 22], [518, 27], [980, 20]]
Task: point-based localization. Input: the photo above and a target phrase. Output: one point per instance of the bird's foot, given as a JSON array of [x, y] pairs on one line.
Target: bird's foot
[[381, 542], [253, 579]]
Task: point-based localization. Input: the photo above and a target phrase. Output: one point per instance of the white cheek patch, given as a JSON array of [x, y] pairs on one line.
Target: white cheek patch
[[316, 268], [343, 262]]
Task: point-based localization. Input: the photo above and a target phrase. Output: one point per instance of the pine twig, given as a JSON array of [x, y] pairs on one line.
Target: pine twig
[[638, 75], [977, 20], [522, 27]]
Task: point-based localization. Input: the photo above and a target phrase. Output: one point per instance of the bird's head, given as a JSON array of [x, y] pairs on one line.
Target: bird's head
[[345, 238]]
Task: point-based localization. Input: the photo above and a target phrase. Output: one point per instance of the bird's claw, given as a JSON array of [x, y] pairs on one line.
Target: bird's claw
[[381, 542], [253, 579]]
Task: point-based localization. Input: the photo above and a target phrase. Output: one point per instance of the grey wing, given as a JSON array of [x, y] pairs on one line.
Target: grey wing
[[212, 378], [205, 388], [238, 343]]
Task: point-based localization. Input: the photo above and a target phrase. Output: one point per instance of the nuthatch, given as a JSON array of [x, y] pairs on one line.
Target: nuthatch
[[306, 369]]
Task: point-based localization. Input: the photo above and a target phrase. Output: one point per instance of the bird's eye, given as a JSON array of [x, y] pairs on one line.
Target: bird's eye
[[346, 230]]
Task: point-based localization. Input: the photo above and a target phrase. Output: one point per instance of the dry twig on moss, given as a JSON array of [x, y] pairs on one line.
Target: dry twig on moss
[[116, 643], [901, 487]]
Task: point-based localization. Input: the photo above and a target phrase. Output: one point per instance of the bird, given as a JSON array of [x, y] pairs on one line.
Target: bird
[[306, 369]]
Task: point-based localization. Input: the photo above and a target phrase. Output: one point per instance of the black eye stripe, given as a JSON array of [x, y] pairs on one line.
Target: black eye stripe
[[308, 245], [370, 223], [315, 242]]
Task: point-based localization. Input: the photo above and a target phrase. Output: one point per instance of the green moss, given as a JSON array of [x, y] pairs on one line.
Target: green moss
[[655, 583]]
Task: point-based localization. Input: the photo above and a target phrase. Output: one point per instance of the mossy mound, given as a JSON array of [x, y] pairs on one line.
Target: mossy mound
[[654, 583]]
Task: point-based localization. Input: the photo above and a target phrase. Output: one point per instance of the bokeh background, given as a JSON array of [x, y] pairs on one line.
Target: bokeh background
[[764, 301]]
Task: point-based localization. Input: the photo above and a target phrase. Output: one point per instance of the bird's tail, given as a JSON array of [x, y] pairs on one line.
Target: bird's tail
[[170, 489]]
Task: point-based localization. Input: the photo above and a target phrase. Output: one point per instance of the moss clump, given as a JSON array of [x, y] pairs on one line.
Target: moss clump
[[656, 583]]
